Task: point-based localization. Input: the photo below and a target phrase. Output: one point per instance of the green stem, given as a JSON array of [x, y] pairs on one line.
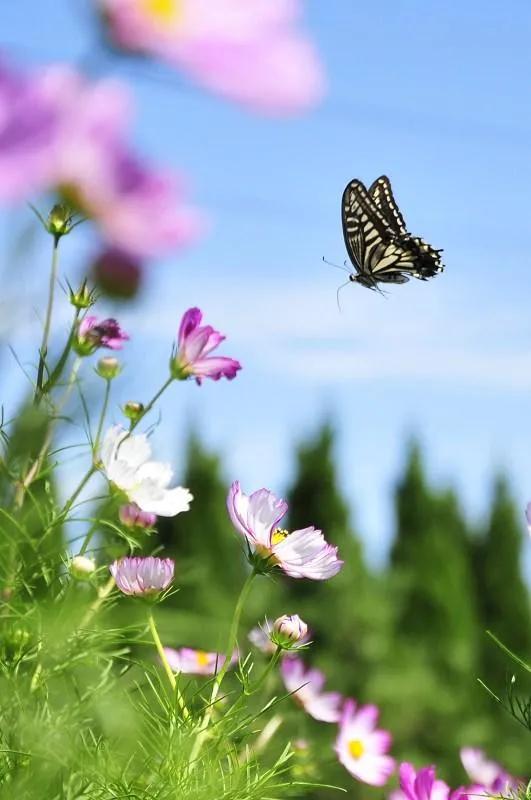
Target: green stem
[[63, 358], [48, 319], [165, 664], [103, 414], [273, 661], [151, 403], [231, 644]]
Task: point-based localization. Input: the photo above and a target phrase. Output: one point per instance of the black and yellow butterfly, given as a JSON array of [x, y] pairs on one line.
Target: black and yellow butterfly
[[379, 245]]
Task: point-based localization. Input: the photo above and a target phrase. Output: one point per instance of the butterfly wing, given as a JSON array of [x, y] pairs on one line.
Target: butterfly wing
[[427, 259], [373, 246], [384, 199]]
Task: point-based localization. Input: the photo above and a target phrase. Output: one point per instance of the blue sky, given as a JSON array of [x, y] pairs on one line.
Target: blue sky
[[436, 97]]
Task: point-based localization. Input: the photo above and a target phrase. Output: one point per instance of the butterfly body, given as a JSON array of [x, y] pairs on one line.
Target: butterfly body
[[379, 245]]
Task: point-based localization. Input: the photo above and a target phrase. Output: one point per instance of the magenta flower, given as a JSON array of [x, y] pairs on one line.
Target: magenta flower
[[489, 774], [423, 785], [361, 747], [142, 576], [195, 662], [117, 274], [194, 343], [250, 51], [93, 333], [306, 687], [301, 554], [133, 517]]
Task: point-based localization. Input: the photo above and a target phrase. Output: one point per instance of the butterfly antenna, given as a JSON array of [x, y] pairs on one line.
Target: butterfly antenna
[[337, 295], [337, 266]]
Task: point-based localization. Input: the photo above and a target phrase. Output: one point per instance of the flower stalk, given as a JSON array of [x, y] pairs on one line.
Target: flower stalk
[[168, 670]]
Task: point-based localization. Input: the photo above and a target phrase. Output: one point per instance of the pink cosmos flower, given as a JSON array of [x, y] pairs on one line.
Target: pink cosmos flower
[[117, 274], [31, 113], [489, 774], [301, 554], [361, 747], [195, 662], [306, 687], [423, 785], [194, 344], [133, 516], [93, 333], [142, 576], [250, 51], [60, 132]]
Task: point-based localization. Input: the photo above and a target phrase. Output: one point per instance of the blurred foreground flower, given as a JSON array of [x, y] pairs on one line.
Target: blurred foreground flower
[[93, 333], [58, 131], [82, 567], [423, 785], [117, 274], [142, 576], [126, 462], [528, 517], [361, 747], [195, 662], [247, 50], [301, 554], [194, 343], [306, 686], [481, 770]]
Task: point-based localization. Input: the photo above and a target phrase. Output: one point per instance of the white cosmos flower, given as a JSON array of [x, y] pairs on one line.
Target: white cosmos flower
[[126, 463]]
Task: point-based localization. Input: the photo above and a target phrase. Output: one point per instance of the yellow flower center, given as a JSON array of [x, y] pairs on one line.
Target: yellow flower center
[[356, 748], [279, 535], [202, 658], [164, 11]]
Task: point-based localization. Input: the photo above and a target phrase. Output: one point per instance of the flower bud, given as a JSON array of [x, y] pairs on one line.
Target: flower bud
[[133, 410], [288, 630], [83, 298], [59, 221], [108, 367], [117, 274], [133, 517], [82, 567]]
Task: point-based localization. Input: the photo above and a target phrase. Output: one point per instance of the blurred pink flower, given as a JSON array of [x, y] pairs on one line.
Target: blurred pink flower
[[142, 576], [93, 333], [194, 344], [421, 785], [60, 131], [300, 554], [306, 687], [133, 517], [31, 114], [489, 774], [250, 51], [117, 274], [362, 748], [195, 662]]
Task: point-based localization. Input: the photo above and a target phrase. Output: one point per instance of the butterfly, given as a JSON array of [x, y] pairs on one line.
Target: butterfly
[[379, 245]]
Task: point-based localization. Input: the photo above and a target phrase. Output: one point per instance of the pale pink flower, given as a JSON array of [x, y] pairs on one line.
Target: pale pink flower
[[192, 357], [481, 770], [306, 687], [301, 554], [361, 747], [142, 576], [133, 517], [251, 51], [195, 662], [93, 333]]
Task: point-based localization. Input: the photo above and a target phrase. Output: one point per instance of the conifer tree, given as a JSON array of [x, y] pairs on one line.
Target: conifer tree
[[343, 612], [502, 594], [202, 540]]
